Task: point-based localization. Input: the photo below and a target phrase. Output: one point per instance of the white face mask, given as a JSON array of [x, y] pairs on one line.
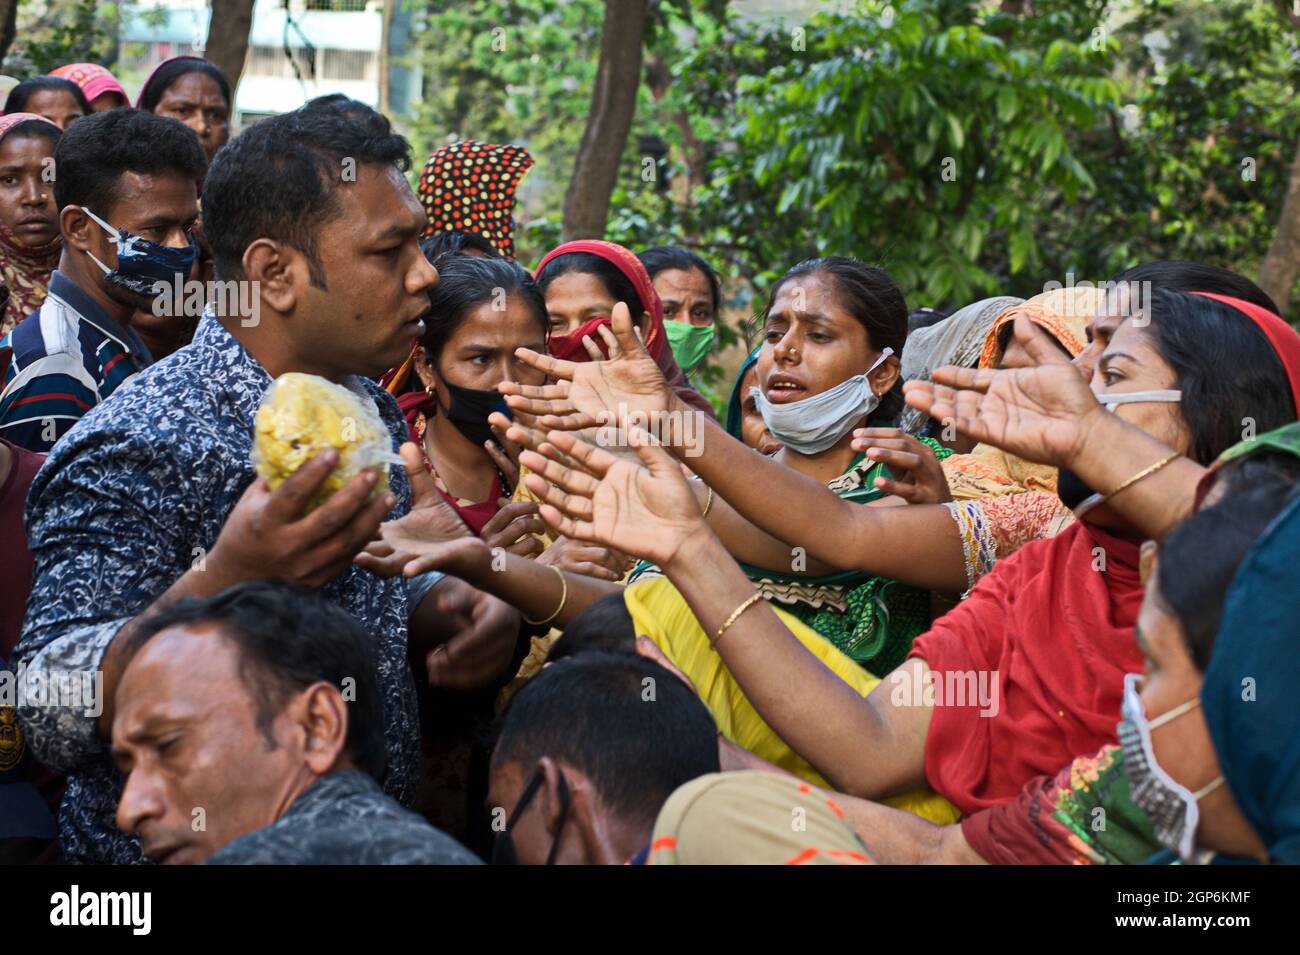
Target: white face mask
[[812, 425], [1170, 807], [1110, 402]]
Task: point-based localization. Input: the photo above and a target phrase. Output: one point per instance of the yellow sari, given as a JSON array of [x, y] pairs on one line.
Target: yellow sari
[[661, 613]]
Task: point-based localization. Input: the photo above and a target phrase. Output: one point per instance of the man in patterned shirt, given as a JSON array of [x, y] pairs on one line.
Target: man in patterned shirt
[[152, 497], [250, 725], [131, 171]]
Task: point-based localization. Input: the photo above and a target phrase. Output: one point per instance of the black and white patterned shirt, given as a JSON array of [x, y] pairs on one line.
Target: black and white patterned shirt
[[345, 819], [132, 497]]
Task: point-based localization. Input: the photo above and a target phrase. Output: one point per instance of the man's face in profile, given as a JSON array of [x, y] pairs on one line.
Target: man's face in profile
[[199, 771], [377, 279]]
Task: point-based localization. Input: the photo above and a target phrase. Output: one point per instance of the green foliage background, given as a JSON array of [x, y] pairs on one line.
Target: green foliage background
[[1082, 138]]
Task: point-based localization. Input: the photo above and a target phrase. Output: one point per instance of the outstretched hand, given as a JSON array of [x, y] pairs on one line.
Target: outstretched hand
[[645, 509], [431, 536], [1043, 413], [593, 393], [918, 476]]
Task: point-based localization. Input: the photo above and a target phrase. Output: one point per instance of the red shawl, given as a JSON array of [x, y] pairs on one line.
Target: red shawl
[[1059, 630], [414, 405], [631, 267], [569, 347]]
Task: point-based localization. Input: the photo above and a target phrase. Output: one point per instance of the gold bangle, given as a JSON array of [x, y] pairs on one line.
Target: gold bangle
[[708, 503], [1151, 469], [564, 596], [749, 602]]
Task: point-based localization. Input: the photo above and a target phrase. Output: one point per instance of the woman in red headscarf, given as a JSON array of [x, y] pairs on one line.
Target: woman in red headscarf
[[29, 222], [582, 282]]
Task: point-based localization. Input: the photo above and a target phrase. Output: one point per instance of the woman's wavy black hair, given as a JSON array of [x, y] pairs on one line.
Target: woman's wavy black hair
[[1231, 378], [165, 76], [465, 282]]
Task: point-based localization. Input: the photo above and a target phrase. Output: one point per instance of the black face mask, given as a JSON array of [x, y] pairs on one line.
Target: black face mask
[[503, 847], [1071, 489], [469, 411]]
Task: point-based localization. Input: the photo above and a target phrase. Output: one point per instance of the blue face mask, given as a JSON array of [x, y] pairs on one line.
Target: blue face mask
[[142, 265]]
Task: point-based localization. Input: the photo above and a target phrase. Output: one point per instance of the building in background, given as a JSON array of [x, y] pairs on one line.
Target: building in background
[[296, 50]]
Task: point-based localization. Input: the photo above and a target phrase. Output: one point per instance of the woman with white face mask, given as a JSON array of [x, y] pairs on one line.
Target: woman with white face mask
[[832, 333], [1161, 788]]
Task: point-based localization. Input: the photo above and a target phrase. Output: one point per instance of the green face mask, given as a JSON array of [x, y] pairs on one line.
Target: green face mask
[[691, 344]]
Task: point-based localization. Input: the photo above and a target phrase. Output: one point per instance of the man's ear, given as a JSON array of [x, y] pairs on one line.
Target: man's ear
[[76, 227], [279, 271], [885, 376], [549, 798], [322, 716]]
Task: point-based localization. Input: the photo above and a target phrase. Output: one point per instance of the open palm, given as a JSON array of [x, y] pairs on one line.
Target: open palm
[[431, 529], [1043, 413], [589, 394], [645, 509]]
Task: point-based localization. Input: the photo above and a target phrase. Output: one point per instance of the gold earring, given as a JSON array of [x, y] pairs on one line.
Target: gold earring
[[428, 390]]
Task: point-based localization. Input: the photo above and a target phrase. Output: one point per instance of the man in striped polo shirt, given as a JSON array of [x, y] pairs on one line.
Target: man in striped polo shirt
[[126, 185]]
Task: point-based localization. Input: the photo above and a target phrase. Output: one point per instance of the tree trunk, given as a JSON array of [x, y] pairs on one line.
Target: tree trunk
[[1277, 273], [227, 44], [8, 26], [658, 78], [613, 104]]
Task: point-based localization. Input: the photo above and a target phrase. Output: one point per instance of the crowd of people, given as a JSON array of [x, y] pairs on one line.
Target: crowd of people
[[1009, 585]]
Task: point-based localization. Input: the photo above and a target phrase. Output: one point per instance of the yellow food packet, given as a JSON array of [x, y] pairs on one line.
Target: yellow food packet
[[302, 415]]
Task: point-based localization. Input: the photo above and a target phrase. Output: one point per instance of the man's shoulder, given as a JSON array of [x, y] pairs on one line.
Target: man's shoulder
[[363, 826]]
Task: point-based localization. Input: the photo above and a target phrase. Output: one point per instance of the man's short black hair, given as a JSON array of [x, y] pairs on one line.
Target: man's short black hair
[[279, 179], [289, 638], [602, 625], [96, 150], [632, 727]]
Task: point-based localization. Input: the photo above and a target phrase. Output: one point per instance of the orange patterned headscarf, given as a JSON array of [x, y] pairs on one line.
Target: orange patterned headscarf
[[1063, 313], [988, 471], [470, 187]]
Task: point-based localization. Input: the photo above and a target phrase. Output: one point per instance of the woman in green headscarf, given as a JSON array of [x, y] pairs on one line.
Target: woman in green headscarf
[[744, 421]]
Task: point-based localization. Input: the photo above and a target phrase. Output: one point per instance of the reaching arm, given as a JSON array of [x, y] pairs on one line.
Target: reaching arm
[[868, 747], [918, 545], [1047, 414]]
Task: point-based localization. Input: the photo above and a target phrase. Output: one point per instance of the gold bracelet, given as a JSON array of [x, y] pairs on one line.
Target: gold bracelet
[[1152, 469], [564, 596], [749, 602], [708, 503]]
